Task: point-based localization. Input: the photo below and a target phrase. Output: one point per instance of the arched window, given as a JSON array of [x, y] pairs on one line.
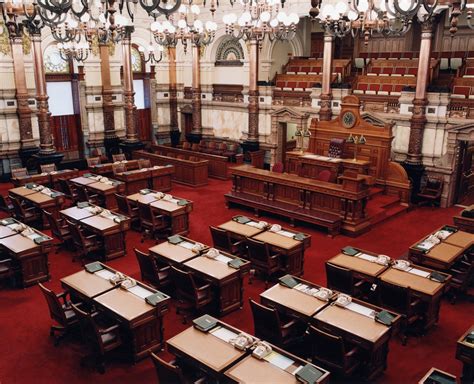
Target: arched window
[[229, 53]]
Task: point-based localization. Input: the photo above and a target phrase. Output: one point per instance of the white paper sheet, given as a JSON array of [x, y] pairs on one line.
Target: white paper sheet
[[354, 307], [367, 257], [426, 245], [223, 259], [140, 291], [105, 274], [418, 272], [175, 201], [186, 244], [278, 360], [224, 334], [252, 224], [286, 233]]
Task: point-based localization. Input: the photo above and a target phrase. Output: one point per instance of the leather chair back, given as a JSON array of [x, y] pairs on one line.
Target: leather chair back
[[144, 163], [185, 285], [326, 348], [19, 172], [266, 323], [166, 372], [220, 239], [395, 298], [340, 279], [147, 266], [118, 157], [91, 161], [56, 310], [48, 168]]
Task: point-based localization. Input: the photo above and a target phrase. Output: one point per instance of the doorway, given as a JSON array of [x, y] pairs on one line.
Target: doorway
[[465, 173], [288, 138]]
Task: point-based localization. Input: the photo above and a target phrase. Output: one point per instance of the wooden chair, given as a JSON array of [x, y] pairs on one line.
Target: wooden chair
[[401, 300], [171, 373], [60, 312], [187, 145], [7, 271], [19, 172], [151, 222], [202, 145], [336, 148], [342, 280], [46, 168], [68, 189], [196, 147], [101, 340], [231, 151], [157, 276], [210, 147], [27, 215], [84, 245], [126, 208], [144, 163], [118, 157], [431, 192], [91, 161], [462, 281], [221, 148], [324, 175], [84, 195], [100, 153], [6, 204], [330, 352], [262, 260], [278, 168], [270, 326], [191, 296], [59, 229], [118, 168], [221, 240]]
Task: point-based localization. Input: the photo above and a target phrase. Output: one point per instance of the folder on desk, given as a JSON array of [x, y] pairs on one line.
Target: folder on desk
[[384, 317], [235, 263], [349, 251], [204, 323], [175, 239], [182, 202], [93, 267], [82, 204], [308, 374], [145, 191], [40, 239], [241, 219], [436, 276], [299, 236], [7, 221], [288, 281], [87, 175], [449, 228], [439, 378], [470, 337], [56, 194], [155, 299], [31, 185]]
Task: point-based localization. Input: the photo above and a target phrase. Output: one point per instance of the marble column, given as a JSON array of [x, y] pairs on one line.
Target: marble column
[[196, 133], [173, 96], [325, 113], [252, 144]]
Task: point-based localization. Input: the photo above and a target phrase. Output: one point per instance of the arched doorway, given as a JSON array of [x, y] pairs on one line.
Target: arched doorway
[[63, 91]]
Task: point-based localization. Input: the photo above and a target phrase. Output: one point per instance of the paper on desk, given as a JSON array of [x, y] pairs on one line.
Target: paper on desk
[[354, 307], [418, 272], [140, 291], [286, 233], [186, 244], [278, 360], [175, 201], [426, 245], [367, 257], [105, 274], [223, 259], [253, 224], [224, 334]]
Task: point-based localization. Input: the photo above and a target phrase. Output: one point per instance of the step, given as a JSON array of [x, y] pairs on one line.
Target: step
[[388, 214]]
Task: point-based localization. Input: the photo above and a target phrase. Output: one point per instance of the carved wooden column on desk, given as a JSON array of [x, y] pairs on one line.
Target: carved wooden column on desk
[[414, 161], [131, 142], [173, 99], [196, 133], [325, 112]]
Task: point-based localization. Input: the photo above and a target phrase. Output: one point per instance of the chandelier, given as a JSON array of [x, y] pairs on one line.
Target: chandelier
[[77, 49], [185, 26], [260, 19], [151, 53]]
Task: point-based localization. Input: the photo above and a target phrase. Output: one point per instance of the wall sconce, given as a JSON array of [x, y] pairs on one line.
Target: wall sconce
[[356, 140]]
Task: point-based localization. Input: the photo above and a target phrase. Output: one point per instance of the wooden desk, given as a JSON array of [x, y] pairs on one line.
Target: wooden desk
[[217, 165], [105, 190], [111, 232], [427, 290], [156, 178], [293, 302], [465, 353], [61, 174], [463, 222], [292, 250], [141, 324], [193, 173], [372, 337], [298, 198], [252, 370], [240, 231], [173, 254], [178, 214], [361, 268], [161, 177], [205, 351], [46, 178], [106, 169], [5, 231], [227, 282], [443, 255], [435, 371], [30, 260], [42, 178], [81, 180]]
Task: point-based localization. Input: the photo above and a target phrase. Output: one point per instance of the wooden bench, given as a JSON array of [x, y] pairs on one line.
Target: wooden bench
[[317, 217]]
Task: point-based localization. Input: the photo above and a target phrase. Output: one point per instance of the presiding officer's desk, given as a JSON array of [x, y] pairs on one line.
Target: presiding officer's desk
[[141, 323], [294, 302], [360, 329]]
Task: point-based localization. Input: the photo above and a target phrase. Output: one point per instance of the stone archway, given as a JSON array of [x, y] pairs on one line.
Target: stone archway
[[457, 134], [284, 115]]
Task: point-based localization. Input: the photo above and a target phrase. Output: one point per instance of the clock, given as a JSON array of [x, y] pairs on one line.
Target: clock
[[348, 119]]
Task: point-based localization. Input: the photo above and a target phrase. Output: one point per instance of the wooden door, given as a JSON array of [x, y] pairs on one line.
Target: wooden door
[[67, 135], [317, 44], [465, 193], [144, 124], [188, 123]]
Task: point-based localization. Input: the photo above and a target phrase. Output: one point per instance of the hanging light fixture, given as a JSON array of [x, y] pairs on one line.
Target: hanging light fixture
[[77, 49], [151, 53], [184, 26], [261, 19]]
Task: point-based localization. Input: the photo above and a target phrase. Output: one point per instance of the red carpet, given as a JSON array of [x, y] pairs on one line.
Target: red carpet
[[28, 355]]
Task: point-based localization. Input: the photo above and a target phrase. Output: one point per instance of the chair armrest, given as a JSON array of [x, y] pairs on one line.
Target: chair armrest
[[275, 256], [110, 329], [90, 237], [5, 261], [164, 269], [359, 283], [203, 288], [352, 352], [289, 324], [459, 272], [238, 243], [415, 303], [61, 294]]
